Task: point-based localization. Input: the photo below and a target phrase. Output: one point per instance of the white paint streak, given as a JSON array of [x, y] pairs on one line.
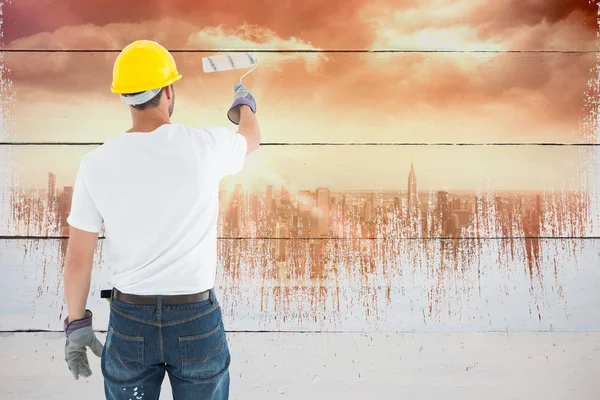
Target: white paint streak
[[590, 174], [494, 292]]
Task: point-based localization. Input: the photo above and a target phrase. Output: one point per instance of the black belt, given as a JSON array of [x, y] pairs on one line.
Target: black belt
[[152, 299]]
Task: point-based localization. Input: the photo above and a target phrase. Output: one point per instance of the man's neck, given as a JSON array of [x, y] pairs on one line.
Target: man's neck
[[146, 123]]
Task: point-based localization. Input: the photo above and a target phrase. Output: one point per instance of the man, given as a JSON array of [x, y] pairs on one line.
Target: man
[[154, 189]]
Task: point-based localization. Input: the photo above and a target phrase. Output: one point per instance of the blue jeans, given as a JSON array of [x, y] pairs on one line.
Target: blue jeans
[[187, 341]]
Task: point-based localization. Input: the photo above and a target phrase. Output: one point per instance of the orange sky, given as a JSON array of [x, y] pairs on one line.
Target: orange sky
[[394, 97], [326, 97], [324, 23]]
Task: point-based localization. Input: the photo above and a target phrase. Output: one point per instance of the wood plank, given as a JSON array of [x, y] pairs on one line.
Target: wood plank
[[387, 286], [330, 98], [353, 191], [269, 366], [322, 24]]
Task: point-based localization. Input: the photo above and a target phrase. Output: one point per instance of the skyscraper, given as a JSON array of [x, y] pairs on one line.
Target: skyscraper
[[51, 193], [443, 210], [412, 204], [269, 199], [538, 209], [51, 185], [323, 209], [368, 211], [64, 208], [236, 219]]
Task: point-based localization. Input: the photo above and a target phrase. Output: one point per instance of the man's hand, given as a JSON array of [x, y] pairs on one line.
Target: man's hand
[[242, 97], [79, 336]]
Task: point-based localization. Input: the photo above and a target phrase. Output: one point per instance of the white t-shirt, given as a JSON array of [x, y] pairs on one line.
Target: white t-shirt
[[157, 195]]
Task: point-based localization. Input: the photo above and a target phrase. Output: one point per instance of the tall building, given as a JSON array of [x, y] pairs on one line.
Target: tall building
[[344, 206], [52, 195], [412, 204], [369, 209], [455, 205], [64, 208], [454, 225], [51, 187], [538, 209], [443, 211], [318, 270], [284, 211], [254, 205], [281, 244], [368, 212], [236, 219], [499, 204], [323, 210], [285, 195], [269, 200], [398, 204], [238, 193]]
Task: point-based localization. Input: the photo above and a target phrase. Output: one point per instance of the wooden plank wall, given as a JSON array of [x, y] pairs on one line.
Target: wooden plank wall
[[424, 167]]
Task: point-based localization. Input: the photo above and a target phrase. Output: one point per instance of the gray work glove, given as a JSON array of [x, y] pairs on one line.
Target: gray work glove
[[242, 97], [79, 336]]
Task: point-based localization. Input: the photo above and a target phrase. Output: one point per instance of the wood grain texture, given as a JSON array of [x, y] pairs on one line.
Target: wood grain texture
[[353, 192], [323, 98], [314, 24], [391, 285]]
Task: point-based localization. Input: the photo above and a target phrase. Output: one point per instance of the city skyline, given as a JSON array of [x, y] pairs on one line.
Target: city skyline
[[417, 211], [294, 251], [451, 168]]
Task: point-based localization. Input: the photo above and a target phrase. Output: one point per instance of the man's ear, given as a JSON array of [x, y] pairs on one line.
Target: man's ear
[[169, 92]]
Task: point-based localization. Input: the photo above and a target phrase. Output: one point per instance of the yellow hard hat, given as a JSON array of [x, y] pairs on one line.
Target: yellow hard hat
[[143, 65]]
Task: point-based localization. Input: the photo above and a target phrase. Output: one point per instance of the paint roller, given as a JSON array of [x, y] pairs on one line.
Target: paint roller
[[228, 62]]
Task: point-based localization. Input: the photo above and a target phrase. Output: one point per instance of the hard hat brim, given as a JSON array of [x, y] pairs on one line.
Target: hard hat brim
[[138, 89]]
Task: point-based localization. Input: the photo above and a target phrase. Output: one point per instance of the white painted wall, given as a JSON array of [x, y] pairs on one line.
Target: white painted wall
[[461, 366], [488, 296]]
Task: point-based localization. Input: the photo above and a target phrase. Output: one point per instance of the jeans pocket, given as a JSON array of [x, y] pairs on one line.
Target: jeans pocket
[[123, 356], [204, 356]]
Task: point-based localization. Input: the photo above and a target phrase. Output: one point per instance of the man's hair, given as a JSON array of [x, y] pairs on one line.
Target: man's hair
[[153, 102]]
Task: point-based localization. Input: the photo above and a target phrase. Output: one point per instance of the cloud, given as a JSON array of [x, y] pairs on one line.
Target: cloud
[[89, 71], [425, 26], [499, 16], [327, 24], [110, 36], [543, 89], [547, 89], [485, 25], [550, 86], [255, 37], [568, 34]]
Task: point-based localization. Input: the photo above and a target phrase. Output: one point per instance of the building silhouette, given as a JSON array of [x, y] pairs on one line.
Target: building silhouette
[[280, 215]]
